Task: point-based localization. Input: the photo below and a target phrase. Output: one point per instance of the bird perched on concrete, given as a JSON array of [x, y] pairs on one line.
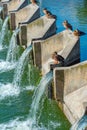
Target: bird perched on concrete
[[78, 33], [67, 25], [48, 14], [33, 1]]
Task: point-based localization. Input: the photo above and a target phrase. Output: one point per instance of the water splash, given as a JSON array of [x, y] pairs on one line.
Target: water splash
[[6, 66], [81, 124], [8, 90], [39, 93], [3, 31], [21, 65], [11, 54], [20, 125]]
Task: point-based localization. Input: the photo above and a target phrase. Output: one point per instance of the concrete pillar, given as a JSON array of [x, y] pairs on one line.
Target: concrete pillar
[[39, 29], [36, 53], [1, 15], [25, 15], [59, 85], [5, 11], [65, 44], [12, 21], [50, 91], [23, 35], [70, 90], [69, 79]]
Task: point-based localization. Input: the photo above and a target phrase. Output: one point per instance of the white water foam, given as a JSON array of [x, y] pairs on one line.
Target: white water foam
[[1, 48], [6, 66], [27, 125], [8, 90], [31, 88], [54, 125], [21, 125]]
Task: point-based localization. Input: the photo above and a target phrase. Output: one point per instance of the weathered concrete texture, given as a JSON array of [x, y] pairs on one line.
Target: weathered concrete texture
[[5, 1], [36, 54], [70, 88], [23, 35], [12, 21], [25, 15], [75, 101], [4, 12], [12, 5], [39, 29], [0, 4], [5, 9], [65, 43]]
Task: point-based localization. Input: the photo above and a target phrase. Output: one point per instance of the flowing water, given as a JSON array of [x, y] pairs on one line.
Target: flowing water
[[21, 65], [12, 50], [81, 124], [3, 31], [10, 61], [27, 107], [1, 8], [0, 24], [39, 93]]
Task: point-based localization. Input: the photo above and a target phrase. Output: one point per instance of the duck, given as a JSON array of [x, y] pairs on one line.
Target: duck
[[67, 25], [48, 14], [33, 1], [78, 33]]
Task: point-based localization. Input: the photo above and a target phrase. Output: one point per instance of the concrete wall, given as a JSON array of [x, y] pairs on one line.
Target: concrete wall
[[70, 88], [38, 29], [4, 12], [12, 5], [5, 1], [24, 15], [65, 43], [70, 78]]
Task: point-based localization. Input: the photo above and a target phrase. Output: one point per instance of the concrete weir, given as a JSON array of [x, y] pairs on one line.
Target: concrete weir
[[24, 15], [65, 43], [12, 5], [70, 90], [37, 30]]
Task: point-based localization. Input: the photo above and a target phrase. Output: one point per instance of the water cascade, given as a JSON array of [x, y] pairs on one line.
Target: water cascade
[[3, 31], [0, 24], [1, 8], [18, 113], [10, 61], [30, 123], [11, 54], [38, 95], [21, 65], [81, 124]]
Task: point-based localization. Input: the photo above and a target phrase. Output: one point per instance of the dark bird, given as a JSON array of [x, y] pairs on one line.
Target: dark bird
[[78, 33], [67, 25]]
